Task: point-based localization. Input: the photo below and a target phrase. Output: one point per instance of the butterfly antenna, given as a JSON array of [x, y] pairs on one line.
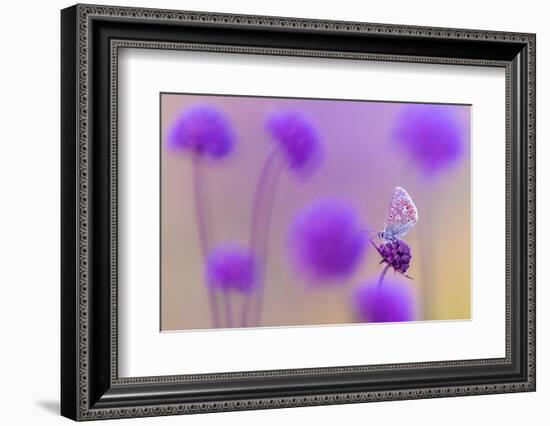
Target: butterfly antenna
[[372, 234]]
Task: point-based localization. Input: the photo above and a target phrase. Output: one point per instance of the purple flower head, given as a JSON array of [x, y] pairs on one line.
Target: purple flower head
[[396, 253], [231, 267], [298, 139], [431, 135], [204, 130], [391, 302], [327, 241]]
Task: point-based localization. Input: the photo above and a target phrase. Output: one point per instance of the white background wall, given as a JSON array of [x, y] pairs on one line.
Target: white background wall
[[29, 211]]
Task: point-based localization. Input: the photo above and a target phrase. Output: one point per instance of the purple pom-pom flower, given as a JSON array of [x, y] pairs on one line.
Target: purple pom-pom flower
[[231, 267], [431, 135], [203, 130], [393, 301], [395, 253], [297, 138], [327, 241]]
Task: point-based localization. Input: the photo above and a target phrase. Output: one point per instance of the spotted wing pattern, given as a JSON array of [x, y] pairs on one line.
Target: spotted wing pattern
[[402, 215]]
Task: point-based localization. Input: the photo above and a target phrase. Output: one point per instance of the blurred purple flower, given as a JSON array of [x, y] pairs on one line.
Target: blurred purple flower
[[204, 130], [396, 253], [231, 267], [391, 302], [298, 139], [431, 135], [327, 240]]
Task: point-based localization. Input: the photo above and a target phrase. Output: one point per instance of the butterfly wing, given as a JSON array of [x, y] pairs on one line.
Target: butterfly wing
[[402, 215]]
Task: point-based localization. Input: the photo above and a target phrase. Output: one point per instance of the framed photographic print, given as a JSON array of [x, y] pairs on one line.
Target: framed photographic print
[[263, 212]]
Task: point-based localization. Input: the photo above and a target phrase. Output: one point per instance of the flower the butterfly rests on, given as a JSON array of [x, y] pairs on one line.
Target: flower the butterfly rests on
[[396, 254]]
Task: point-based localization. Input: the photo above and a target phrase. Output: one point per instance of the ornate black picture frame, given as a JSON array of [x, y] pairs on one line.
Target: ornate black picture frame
[[90, 39]]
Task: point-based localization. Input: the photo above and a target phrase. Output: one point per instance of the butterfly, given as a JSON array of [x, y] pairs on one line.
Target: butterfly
[[402, 216]]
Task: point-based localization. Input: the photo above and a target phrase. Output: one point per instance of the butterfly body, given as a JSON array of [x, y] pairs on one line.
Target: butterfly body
[[401, 217]]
